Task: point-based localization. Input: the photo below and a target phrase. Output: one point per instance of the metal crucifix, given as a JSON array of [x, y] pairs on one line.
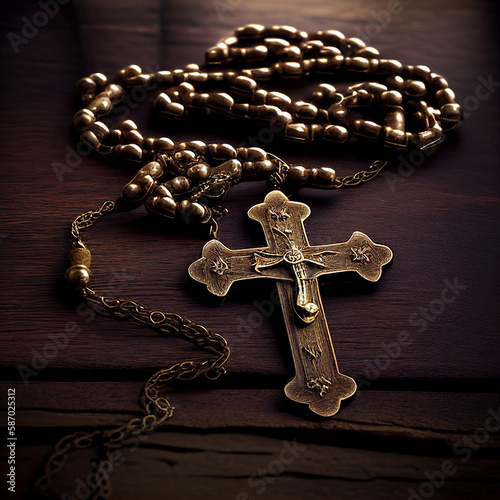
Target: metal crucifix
[[295, 265]]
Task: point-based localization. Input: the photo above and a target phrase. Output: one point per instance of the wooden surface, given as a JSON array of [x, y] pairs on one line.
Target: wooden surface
[[413, 413]]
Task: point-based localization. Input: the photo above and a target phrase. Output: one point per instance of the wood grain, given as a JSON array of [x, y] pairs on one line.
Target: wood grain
[[434, 389]]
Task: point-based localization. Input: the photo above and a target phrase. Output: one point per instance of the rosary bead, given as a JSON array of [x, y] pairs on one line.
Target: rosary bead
[[173, 110], [337, 112], [164, 77], [357, 64], [77, 277], [292, 53], [113, 138], [438, 81], [350, 46], [80, 256], [142, 183], [250, 31], [281, 120], [242, 85], [162, 202], [85, 85], [297, 132], [290, 69], [430, 137], [395, 82], [83, 119], [258, 169], [129, 152], [296, 176], [389, 67], [331, 37], [99, 79], [240, 110], [194, 211], [179, 184], [278, 99], [335, 133], [262, 74], [91, 139], [218, 54], [231, 167], [445, 96], [391, 98], [369, 53], [366, 128], [422, 73], [255, 154], [222, 151], [198, 172], [305, 110], [321, 178], [282, 31], [276, 46], [132, 137], [100, 130], [395, 134], [128, 125], [220, 102], [185, 92], [415, 88], [451, 114], [197, 147], [163, 145], [129, 72], [259, 97]]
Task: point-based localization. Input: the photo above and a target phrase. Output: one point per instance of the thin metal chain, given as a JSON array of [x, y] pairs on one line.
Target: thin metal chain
[[362, 176], [157, 409]]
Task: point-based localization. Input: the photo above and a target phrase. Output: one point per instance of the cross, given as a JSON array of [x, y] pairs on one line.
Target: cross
[[295, 265]]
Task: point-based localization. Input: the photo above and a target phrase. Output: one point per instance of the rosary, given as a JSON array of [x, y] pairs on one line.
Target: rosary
[[400, 107]]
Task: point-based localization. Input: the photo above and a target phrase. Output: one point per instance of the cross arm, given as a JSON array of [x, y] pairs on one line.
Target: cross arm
[[359, 254], [219, 267]]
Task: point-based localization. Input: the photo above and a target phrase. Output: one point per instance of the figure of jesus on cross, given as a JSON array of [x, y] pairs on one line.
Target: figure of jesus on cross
[[295, 265]]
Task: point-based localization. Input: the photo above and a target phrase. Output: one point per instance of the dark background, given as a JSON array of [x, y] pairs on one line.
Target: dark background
[[440, 222]]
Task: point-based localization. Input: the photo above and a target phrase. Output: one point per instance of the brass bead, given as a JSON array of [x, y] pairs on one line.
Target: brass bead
[[132, 192], [243, 85], [80, 256], [113, 138], [262, 74], [221, 102], [259, 97], [297, 176], [194, 211], [290, 69], [99, 79], [129, 72], [185, 92], [162, 202], [91, 139], [368, 129], [100, 130], [451, 111], [222, 151], [391, 98], [217, 54], [250, 31], [305, 110], [335, 133], [281, 120], [128, 125], [297, 132], [83, 119], [77, 277], [331, 37], [357, 64], [114, 92], [389, 67], [278, 99], [231, 167], [129, 152], [369, 53], [321, 177], [85, 86], [163, 145], [438, 81], [445, 96], [422, 73], [255, 154], [415, 88], [179, 184], [198, 172]]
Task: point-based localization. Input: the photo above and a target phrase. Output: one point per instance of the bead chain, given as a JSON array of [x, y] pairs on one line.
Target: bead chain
[[410, 109]]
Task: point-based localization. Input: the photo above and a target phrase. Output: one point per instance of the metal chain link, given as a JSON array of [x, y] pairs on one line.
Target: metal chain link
[[157, 409]]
